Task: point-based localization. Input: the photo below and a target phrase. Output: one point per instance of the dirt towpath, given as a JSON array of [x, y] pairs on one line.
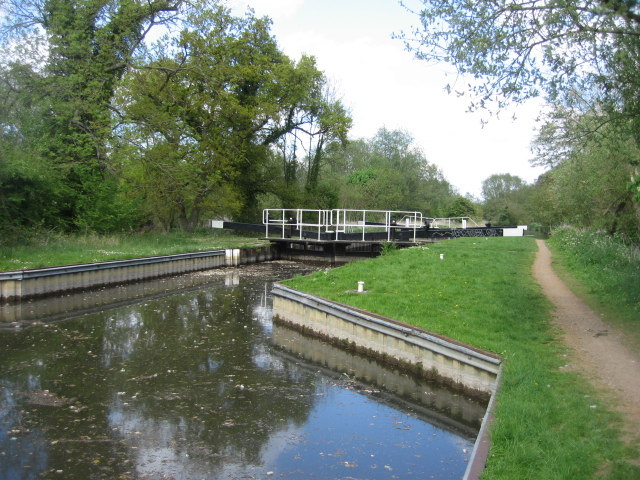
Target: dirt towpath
[[598, 351]]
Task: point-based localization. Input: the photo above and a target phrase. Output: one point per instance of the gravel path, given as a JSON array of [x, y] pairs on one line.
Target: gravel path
[[598, 351]]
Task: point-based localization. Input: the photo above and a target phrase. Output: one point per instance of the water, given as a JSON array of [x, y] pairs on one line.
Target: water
[[188, 378]]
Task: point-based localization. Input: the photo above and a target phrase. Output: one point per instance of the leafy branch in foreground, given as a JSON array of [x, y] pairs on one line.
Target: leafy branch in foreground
[[517, 49]]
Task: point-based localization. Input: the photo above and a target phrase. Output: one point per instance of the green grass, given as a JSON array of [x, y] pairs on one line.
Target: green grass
[[550, 424], [608, 274], [54, 250]]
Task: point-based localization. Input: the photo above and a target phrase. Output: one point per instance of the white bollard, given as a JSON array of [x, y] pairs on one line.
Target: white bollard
[[360, 287], [442, 256]]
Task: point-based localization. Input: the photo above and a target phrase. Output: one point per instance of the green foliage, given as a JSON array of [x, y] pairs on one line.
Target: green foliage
[[518, 49], [61, 93], [32, 192], [29, 194], [608, 267], [589, 182], [482, 293], [317, 124], [194, 111], [462, 207], [507, 199], [204, 114], [323, 197], [387, 172], [110, 208], [360, 178], [584, 56], [499, 186]]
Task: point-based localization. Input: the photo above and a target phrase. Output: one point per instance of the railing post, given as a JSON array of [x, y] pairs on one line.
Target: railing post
[[265, 220], [387, 221]]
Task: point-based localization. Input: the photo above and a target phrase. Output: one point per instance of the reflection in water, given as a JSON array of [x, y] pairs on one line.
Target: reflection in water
[[185, 383], [440, 405]]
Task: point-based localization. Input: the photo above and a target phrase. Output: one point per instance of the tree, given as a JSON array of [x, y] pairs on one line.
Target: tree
[[89, 45], [28, 193], [500, 185], [387, 172], [583, 54], [505, 199], [461, 207], [317, 123], [587, 184], [205, 112]]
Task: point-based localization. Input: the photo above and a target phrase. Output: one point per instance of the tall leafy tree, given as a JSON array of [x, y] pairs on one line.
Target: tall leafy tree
[[204, 113], [318, 123], [500, 185], [587, 184], [89, 45], [505, 199], [388, 172], [461, 207], [30, 189]]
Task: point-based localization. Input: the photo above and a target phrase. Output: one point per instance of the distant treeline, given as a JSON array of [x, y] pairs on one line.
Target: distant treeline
[[104, 130]]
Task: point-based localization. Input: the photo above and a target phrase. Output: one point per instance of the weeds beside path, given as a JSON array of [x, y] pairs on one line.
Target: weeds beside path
[[598, 351]]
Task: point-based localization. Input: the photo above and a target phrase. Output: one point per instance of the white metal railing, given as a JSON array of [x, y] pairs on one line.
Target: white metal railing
[[299, 218], [452, 222], [363, 221], [341, 221]]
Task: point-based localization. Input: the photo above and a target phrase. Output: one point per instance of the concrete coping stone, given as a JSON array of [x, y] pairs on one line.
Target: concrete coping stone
[[388, 323], [85, 267]]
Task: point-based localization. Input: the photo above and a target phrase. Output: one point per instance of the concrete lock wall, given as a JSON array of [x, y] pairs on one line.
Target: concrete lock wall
[[463, 411], [24, 284], [462, 365]]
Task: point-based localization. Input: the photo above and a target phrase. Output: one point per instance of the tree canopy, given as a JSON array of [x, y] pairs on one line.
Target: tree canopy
[[112, 130], [583, 56], [388, 171], [201, 116], [516, 49], [66, 86], [103, 129]]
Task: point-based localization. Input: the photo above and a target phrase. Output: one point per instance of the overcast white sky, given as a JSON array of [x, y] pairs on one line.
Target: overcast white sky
[[383, 85]]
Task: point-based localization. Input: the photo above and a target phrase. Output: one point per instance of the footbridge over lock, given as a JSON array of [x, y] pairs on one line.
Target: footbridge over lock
[[340, 235]]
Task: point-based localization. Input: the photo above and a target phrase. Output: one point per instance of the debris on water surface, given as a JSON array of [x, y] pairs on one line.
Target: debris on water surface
[[46, 398], [154, 378]]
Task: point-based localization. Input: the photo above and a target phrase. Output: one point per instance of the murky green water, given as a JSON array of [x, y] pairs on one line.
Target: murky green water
[[187, 378]]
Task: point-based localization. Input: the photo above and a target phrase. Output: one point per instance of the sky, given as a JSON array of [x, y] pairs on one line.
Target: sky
[[383, 85]]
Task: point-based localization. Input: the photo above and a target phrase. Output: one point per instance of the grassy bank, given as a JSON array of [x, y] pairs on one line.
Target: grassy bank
[[54, 250], [550, 423], [608, 274]]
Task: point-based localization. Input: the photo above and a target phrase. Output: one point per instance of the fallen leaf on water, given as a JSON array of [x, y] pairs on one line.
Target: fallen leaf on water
[[339, 453]]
